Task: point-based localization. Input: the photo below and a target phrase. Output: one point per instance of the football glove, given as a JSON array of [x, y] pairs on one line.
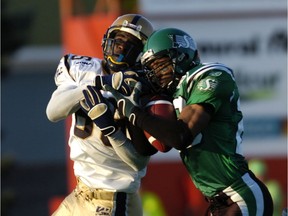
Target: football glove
[[121, 81], [127, 105], [97, 109]]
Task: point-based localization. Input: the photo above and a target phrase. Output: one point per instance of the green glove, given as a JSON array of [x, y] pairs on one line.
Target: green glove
[[127, 105]]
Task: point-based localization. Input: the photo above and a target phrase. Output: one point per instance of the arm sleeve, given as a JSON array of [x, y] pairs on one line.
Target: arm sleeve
[[126, 151], [140, 141], [70, 82], [173, 133], [63, 102]]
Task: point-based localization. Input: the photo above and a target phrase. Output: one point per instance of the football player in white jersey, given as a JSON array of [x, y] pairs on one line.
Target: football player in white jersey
[[107, 166]]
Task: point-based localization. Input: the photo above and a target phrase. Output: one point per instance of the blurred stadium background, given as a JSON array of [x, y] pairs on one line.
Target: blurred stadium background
[[249, 36]]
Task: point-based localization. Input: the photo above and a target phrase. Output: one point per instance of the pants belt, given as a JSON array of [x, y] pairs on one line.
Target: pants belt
[[220, 198], [93, 193]]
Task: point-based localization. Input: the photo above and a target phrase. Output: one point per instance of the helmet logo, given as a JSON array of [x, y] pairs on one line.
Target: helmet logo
[[130, 25], [182, 41]]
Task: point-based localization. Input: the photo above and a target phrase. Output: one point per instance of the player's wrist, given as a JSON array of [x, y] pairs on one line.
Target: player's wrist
[[139, 116], [108, 130], [118, 138]]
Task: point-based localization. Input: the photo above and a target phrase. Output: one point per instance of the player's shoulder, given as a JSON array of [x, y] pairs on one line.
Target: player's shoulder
[[204, 70], [73, 59], [75, 67]]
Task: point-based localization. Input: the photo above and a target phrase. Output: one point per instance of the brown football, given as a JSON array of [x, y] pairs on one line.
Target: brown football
[[161, 107]]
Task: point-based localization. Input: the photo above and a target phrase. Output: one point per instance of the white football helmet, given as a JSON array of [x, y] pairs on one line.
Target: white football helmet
[[136, 25]]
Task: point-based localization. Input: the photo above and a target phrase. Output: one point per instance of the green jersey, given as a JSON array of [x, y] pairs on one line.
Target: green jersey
[[214, 160]]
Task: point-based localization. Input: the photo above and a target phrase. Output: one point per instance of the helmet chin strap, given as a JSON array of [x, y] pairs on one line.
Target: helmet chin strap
[[118, 61], [171, 86], [116, 66]]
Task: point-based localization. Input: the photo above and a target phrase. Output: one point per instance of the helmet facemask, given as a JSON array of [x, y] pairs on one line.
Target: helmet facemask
[[154, 80], [129, 56], [175, 60]]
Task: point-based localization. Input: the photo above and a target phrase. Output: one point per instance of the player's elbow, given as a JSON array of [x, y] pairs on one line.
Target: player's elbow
[[140, 167], [51, 118], [180, 137], [176, 142], [51, 115]]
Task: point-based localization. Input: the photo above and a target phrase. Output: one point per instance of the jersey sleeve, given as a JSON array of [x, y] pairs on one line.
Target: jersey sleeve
[[77, 70], [213, 87], [73, 74]]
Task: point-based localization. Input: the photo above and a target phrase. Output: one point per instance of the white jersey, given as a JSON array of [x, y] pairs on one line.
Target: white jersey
[[97, 164]]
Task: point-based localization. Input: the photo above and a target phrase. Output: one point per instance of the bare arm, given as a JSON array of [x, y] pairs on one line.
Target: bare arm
[[196, 117], [177, 133]]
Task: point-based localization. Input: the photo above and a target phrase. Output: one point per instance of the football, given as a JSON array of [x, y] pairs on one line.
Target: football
[[161, 107]]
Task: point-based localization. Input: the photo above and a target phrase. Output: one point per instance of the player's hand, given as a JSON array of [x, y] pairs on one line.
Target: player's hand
[[121, 81], [97, 109], [127, 105]]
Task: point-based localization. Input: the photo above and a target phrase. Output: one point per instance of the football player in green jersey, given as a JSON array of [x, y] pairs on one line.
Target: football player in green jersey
[[209, 129]]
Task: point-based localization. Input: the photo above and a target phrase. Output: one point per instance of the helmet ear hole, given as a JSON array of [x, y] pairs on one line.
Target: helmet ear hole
[[182, 57]]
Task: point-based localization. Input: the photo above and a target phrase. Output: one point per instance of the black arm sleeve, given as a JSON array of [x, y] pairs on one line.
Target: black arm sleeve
[[140, 142], [174, 133]]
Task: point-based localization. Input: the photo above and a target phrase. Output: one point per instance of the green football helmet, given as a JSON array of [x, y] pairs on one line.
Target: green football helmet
[[178, 45]]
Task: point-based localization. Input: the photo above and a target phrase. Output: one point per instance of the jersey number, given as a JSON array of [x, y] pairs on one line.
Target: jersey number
[[83, 126], [78, 57]]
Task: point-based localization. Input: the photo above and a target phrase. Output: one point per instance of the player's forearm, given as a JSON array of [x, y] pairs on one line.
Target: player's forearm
[[125, 150], [175, 133], [140, 141], [63, 103]]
